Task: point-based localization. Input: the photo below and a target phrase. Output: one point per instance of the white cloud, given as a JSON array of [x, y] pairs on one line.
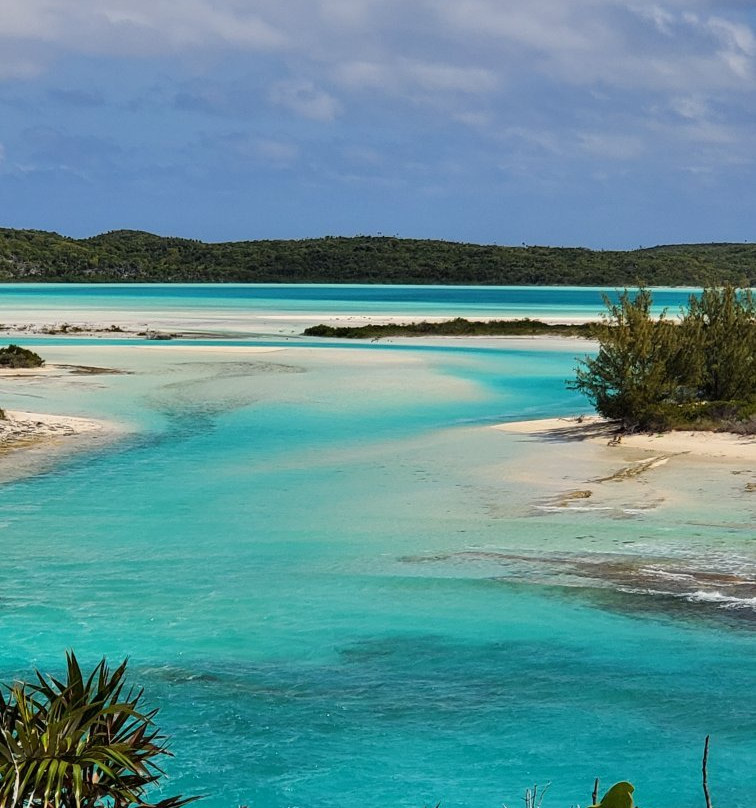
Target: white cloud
[[553, 66], [137, 27], [690, 107], [662, 19], [474, 119], [305, 99], [738, 45], [408, 75], [363, 155], [440, 46], [611, 145], [276, 152], [445, 77]]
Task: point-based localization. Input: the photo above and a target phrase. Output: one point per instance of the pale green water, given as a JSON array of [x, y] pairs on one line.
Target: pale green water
[[329, 573]]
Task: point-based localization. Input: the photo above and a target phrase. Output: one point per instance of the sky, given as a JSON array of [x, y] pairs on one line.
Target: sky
[[600, 123]]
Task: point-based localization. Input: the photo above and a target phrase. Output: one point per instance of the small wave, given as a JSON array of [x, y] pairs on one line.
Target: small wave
[[699, 596], [563, 508], [726, 601], [672, 576]]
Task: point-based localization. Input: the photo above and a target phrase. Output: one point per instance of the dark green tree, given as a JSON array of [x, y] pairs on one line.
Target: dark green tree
[[718, 332], [78, 743], [633, 371]]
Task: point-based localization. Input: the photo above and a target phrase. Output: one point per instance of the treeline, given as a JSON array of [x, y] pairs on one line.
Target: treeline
[[458, 327], [657, 374], [124, 256]]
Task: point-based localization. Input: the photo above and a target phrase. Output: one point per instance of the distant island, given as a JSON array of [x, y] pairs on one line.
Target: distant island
[[129, 256], [458, 327]]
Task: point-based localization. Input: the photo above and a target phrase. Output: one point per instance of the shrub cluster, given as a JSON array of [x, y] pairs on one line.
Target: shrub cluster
[[458, 327], [658, 374], [14, 356]]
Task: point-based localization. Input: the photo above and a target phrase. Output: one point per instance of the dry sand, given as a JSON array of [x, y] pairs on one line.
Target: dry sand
[[29, 428], [31, 442], [578, 464], [597, 430]]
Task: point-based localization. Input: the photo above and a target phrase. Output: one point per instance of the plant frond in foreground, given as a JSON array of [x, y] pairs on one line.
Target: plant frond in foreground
[[79, 742]]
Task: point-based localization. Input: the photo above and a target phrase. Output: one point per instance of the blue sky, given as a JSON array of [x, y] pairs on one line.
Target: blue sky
[[601, 123]]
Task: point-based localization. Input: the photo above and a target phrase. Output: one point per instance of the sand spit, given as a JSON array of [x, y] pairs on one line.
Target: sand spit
[[22, 429], [597, 430], [584, 465], [50, 369], [31, 442]]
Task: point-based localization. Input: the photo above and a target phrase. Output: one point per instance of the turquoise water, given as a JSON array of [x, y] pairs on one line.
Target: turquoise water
[[329, 576], [504, 301]]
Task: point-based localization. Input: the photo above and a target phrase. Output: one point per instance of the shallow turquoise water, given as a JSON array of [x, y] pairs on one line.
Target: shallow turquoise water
[[288, 546], [506, 301]]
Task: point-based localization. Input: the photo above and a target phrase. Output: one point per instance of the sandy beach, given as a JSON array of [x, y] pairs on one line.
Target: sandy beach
[[599, 431], [22, 429], [30, 440], [583, 464]]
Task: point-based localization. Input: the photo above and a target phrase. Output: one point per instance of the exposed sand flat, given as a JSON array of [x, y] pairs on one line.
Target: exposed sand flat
[[708, 444], [31, 442], [52, 369], [21, 429], [107, 324], [44, 370], [232, 349], [584, 465], [595, 429]]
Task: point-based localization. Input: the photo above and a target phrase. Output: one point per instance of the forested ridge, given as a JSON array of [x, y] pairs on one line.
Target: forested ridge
[[124, 256]]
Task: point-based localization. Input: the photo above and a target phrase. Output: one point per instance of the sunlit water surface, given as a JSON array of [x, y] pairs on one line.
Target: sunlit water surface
[[327, 576]]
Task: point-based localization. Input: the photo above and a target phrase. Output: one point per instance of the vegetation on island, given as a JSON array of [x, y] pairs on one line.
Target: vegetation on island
[[79, 742], [124, 256], [656, 374], [14, 356], [458, 327]]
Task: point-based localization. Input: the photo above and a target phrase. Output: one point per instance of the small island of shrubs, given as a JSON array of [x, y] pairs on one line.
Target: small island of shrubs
[[14, 356], [458, 327]]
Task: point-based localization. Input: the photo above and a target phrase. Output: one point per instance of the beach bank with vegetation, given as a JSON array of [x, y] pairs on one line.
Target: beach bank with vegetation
[[656, 374]]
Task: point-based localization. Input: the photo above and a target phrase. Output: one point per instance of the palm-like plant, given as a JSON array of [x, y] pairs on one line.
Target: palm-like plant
[[78, 743]]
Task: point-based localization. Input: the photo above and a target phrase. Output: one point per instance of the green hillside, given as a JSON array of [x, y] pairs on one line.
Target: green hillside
[[133, 256]]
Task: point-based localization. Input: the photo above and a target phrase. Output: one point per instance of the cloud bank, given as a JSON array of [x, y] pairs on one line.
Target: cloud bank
[[433, 95]]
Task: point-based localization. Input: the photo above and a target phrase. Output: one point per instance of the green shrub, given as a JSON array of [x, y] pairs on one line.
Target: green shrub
[[717, 416], [656, 375], [14, 356]]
